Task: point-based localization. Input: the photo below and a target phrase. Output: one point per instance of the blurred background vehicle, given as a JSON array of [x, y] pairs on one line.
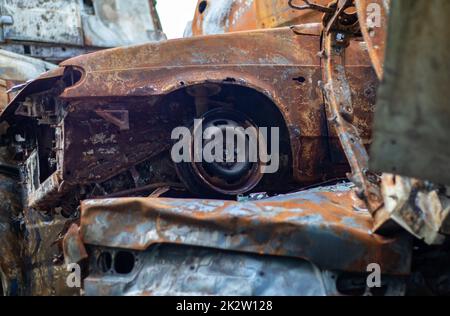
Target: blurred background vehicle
[[35, 35], [222, 16]]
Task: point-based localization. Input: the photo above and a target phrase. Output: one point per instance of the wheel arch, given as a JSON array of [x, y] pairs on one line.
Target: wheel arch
[[271, 113]]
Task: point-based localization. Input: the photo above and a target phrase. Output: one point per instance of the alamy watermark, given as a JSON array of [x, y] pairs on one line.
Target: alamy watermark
[[229, 144], [374, 278], [73, 280], [373, 20]]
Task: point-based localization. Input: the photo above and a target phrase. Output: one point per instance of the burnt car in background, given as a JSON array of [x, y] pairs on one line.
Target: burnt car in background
[[56, 30], [99, 126], [35, 35], [217, 17]]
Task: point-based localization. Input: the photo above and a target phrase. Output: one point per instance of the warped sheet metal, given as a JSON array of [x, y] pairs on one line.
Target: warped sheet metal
[[321, 226]]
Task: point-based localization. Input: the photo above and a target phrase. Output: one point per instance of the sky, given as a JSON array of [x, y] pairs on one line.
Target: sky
[[174, 15]]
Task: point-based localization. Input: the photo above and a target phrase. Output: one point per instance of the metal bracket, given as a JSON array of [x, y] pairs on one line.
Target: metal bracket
[[338, 99]]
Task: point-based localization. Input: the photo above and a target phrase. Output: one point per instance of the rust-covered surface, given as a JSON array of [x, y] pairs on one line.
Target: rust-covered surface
[[420, 208], [373, 18], [73, 247], [99, 126], [222, 16], [104, 101], [321, 226], [96, 131], [142, 87]]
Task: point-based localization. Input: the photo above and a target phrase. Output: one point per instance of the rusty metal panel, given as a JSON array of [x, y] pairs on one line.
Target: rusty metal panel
[[51, 21], [139, 78], [193, 271], [114, 23], [74, 250], [421, 209], [56, 30], [413, 113], [196, 271], [321, 226], [216, 17], [276, 13], [222, 16], [107, 23], [373, 18]]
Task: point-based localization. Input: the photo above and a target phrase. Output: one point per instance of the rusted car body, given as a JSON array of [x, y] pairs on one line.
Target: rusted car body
[[373, 16], [222, 16], [92, 106], [198, 247], [312, 242]]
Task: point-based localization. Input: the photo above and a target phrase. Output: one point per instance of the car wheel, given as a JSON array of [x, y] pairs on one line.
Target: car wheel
[[222, 177]]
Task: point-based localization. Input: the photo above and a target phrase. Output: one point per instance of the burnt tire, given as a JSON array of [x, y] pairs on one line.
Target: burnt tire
[[218, 179]]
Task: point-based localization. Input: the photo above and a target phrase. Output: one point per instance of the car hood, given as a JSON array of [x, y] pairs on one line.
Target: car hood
[[321, 226]]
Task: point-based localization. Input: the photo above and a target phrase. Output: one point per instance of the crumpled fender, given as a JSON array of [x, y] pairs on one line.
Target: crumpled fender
[[322, 226]]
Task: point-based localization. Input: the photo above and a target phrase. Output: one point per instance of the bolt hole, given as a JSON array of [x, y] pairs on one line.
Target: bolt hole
[[124, 262], [202, 6], [300, 79]]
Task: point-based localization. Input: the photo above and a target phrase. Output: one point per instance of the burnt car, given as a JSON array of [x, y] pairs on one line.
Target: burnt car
[[99, 126], [320, 241], [311, 242], [223, 16], [102, 117]]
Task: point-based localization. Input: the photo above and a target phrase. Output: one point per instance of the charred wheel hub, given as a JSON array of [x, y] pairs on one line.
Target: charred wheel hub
[[230, 176]]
